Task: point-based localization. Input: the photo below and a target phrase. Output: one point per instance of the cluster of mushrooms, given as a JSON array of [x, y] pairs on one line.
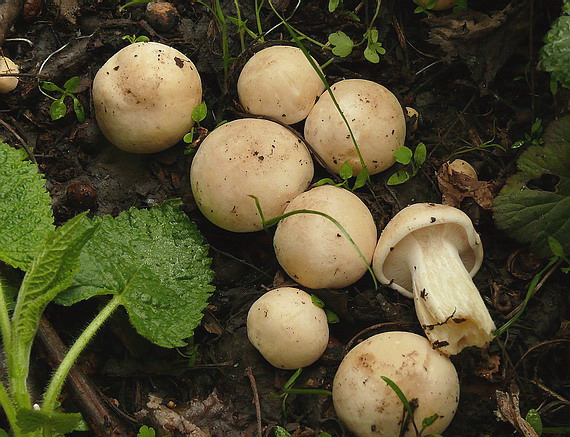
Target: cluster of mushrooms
[[427, 252]]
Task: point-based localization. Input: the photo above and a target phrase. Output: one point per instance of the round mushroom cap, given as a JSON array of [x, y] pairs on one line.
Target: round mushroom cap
[[313, 250], [279, 82], [7, 83], [389, 263], [248, 157], [375, 117], [287, 328], [370, 408], [463, 167], [144, 96], [440, 5]]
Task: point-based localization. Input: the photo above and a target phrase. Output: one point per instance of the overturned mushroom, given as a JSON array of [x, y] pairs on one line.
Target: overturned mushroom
[[8, 83], [430, 252]]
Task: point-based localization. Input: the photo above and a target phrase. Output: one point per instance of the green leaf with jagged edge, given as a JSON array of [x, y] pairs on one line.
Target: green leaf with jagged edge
[[156, 263], [33, 420], [50, 273], [535, 202], [555, 54], [25, 211]]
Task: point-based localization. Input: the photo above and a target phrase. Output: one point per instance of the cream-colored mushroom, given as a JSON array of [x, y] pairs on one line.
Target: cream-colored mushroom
[[313, 250], [144, 96], [375, 117], [8, 83], [430, 252], [287, 328], [279, 82], [249, 157], [370, 408], [463, 167]]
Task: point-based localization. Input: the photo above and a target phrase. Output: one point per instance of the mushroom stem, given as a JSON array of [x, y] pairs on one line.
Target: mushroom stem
[[449, 306]]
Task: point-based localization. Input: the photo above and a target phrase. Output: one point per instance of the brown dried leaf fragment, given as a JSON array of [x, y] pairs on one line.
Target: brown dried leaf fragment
[[508, 410]]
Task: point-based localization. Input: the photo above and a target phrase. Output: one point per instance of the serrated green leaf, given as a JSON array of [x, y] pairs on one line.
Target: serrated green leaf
[[71, 84], [281, 432], [199, 113], [345, 171], [158, 264], [342, 44], [534, 420], [398, 178], [403, 155], [32, 420], [25, 212], [555, 54], [57, 109], [531, 215]]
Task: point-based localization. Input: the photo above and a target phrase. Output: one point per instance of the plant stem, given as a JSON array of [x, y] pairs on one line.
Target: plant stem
[[258, 6], [240, 31], [5, 326], [9, 409], [225, 45], [54, 388]]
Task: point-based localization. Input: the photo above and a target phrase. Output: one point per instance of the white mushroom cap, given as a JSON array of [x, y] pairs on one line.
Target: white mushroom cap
[[7, 83], [370, 408], [375, 117], [390, 265], [287, 328], [144, 96], [313, 250], [463, 167], [279, 82], [248, 157]]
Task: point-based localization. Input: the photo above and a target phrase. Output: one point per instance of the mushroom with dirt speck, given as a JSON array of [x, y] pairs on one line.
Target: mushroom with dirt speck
[[8, 83], [430, 252], [463, 167], [370, 408], [287, 328]]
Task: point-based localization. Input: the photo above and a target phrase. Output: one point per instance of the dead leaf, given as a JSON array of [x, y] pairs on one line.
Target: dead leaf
[[488, 367], [508, 403], [456, 186]]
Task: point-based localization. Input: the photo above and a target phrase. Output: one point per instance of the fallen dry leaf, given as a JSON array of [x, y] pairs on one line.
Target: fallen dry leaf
[[509, 411]]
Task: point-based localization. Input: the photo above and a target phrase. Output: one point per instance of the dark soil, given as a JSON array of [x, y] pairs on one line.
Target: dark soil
[[473, 84]]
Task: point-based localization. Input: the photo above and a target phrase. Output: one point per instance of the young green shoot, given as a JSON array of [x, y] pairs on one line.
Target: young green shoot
[[132, 3], [198, 115], [346, 173], [218, 14], [332, 318], [132, 39], [534, 138], [424, 8], [58, 109], [412, 160], [145, 431]]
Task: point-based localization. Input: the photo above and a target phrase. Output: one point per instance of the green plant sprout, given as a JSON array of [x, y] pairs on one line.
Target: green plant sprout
[[534, 138], [145, 431], [533, 418], [332, 318], [134, 39], [132, 3], [490, 144], [554, 262], [218, 14], [288, 390], [282, 432], [198, 115], [409, 412], [191, 353], [345, 173], [405, 156], [58, 109], [268, 223]]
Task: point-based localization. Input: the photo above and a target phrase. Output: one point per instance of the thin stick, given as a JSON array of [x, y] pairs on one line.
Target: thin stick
[[249, 373]]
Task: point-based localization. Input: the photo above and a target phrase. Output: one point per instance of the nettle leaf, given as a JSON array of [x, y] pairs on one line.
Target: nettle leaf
[[555, 54], [25, 212], [535, 202], [342, 44], [157, 263], [33, 420]]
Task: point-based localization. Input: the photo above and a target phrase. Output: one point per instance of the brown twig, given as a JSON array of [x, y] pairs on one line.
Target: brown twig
[[101, 420], [249, 373], [20, 139], [9, 11]]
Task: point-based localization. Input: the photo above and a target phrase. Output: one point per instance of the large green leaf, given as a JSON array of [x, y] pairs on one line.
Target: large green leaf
[[535, 202], [25, 212], [555, 55], [33, 420], [156, 262]]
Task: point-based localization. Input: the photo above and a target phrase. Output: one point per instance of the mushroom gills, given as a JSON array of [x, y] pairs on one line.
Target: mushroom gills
[[448, 304]]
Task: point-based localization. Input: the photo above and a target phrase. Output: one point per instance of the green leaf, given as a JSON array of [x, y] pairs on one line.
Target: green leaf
[[332, 318], [373, 47], [420, 154], [199, 113], [555, 247], [71, 84], [345, 171], [25, 212], [526, 211], [342, 44], [57, 109], [400, 395], [78, 109], [428, 421], [361, 179], [281, 432], [158, 264], [324, 181], [33, 420], [189, 137], [145, 431], [399, 177], [534, 420], [317, 301], [50, 86], [555, 54], [3, 433], [333, 4], [403, 155], [142, 38], [50, 273]]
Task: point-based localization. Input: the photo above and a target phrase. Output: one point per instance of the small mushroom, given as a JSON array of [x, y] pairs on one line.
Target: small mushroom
[[8, 83], [430, 252], [144, 96], [463, 167], [279, 82], [287, 328], [313, 250], [249, 157], [370, 408], [412, 118], [375, 117]]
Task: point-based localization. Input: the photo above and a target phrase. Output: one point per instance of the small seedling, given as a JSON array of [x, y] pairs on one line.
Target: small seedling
[[58, 109], [534, 138], [198, 115], [406, 157], [134, 39], [332, 318], [145, 431], [346, 173], [191, 352]]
